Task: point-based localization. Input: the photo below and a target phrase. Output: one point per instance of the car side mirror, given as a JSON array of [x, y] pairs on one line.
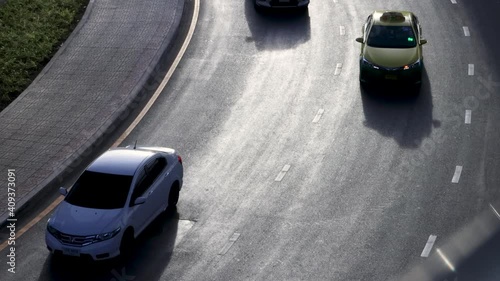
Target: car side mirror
[[360, 40], [139, 200], [63, 191], [423, 41]]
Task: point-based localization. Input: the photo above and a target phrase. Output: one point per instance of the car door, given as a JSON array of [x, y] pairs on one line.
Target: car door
[[141, 215], [159, 187]]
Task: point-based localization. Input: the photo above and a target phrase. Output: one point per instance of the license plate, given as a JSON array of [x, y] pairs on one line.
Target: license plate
[[284, 1], [391, 77], [71, 252]]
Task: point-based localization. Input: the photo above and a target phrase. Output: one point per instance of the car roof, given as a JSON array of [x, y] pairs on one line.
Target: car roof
[[120, 161], [394, 21]]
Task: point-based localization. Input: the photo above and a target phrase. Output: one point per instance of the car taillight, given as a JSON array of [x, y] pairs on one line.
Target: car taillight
[[179, 158]]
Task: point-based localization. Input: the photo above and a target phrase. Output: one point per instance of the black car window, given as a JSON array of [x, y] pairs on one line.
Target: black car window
[[367, 24], [415, 19], [415, 24], [388, 36], [100, 191], [140, 187], [151, 171], [157, 167]]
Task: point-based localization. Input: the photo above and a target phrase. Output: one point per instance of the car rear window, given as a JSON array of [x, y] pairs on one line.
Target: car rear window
[[100, 191], [384, 36]]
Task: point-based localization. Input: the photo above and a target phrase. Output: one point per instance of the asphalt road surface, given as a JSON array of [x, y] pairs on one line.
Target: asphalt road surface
[[292, 172]]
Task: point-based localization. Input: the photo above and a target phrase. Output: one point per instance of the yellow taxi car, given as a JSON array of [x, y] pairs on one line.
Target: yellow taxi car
[[391, 48]]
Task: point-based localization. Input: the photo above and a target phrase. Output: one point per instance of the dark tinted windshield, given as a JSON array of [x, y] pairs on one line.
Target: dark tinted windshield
[[382, 36], [100, 191]]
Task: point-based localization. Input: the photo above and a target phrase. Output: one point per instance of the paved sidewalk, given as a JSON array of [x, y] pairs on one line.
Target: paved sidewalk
[[90, 85]]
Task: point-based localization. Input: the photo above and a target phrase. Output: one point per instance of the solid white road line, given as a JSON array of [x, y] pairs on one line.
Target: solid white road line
[[445, 259], [338, 69], [456, 176], [428, 246], [468, 116], [471, 69], [342, 30], [282, 174], [466, 31], [228, 245], [318, 115]]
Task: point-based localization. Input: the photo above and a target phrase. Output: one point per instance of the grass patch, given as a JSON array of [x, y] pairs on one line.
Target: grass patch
[[31, 31]]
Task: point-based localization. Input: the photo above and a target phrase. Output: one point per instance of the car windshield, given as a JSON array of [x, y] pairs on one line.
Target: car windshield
[[382, 36], [100, 191]]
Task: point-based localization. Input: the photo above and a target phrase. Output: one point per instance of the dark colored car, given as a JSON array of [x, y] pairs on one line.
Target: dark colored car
[[281, 4]]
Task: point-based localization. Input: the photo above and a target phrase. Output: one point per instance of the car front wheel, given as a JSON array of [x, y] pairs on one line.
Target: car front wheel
[[127, 243]]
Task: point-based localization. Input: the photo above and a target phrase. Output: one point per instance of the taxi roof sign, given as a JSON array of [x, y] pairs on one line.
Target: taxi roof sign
[[392, 17]]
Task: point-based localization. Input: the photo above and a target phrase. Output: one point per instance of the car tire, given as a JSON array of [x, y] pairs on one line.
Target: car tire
[[362, 83], [127, 243], [173, 196]]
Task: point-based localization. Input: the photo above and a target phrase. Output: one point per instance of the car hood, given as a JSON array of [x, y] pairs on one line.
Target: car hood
[[387, 57], [76, 220]]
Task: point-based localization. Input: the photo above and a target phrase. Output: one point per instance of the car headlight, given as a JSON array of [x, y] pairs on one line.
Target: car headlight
[[367, 63], [413, 65], [107, 235], [52, 230]]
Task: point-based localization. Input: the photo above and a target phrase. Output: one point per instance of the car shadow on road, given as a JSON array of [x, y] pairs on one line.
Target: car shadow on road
[[151, 255], [277, 29], [400, 112]]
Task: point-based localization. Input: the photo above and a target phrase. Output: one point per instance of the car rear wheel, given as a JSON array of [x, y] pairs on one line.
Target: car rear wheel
[[173, 196]]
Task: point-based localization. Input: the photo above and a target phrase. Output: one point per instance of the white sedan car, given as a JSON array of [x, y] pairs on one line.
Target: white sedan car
[[113, 201]]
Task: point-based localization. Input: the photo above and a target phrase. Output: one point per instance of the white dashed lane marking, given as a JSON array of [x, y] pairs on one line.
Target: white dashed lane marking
[[471, 69], [454, 1], [338, 69], [318, 115], [428, 246], [456, 176], [283, 172], [228, 245], [342, 30], [468, 116], [466, 31]]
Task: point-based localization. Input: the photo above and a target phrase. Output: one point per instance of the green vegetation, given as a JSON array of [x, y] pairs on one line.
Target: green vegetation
[[31, 31]]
